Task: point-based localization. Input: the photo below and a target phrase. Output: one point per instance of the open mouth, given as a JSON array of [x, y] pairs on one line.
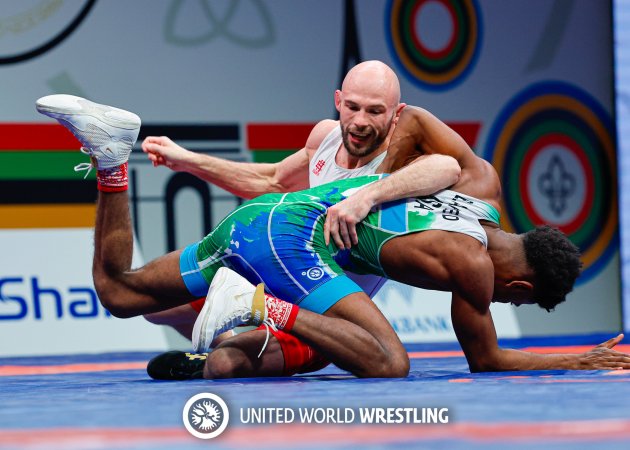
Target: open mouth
[[359, 138]]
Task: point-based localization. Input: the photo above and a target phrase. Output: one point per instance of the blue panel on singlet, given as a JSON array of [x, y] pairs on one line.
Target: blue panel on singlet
[[394, 216]]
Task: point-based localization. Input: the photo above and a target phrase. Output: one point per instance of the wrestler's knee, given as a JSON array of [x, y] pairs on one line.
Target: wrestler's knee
[[114, 299], [224, 362], [385, 366], [389, 359], [240, 356], [118, 308], [399, 367], [398, 359]]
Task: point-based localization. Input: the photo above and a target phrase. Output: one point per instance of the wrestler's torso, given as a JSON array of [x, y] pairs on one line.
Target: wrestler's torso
[[284, 217], [323, 168], [441, 219]]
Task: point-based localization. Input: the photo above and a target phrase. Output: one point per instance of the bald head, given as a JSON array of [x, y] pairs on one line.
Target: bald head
[[369, 107], [373, 79]]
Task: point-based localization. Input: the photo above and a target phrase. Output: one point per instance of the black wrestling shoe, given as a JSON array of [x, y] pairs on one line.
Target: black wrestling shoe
[[176, 365]]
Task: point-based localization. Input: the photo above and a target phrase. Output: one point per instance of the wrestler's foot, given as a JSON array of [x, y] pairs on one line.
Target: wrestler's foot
[[232, 301], [176, 365], [107, 133]]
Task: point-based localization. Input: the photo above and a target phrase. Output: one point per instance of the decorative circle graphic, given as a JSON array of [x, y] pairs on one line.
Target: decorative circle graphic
[[205, 415], [553, 147], [427, 57], [39, 28]]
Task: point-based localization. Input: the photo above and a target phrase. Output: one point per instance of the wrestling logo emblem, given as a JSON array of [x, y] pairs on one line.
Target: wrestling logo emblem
[[205, 415]]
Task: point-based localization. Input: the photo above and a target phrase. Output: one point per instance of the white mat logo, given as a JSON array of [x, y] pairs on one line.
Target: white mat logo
[[205, 415]]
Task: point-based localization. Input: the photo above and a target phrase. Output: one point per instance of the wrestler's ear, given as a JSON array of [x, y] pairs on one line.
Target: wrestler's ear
[[520, 285], [399, 110], [338, 100]]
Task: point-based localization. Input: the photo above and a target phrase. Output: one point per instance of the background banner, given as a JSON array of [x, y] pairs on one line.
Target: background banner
[[527, 84]]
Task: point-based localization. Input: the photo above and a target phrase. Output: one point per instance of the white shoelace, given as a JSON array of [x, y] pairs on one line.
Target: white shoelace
[[85, 166], [268, 323]]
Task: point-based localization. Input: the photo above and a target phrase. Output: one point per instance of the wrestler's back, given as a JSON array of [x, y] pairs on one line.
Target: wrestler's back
[[437, 260]]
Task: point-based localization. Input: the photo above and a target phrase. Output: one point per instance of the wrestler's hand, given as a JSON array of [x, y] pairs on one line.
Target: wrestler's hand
[[342, 219], [603, 357], [162, 151]]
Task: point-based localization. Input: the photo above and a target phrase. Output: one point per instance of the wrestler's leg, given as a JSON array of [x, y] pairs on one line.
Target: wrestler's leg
[[237, 357], [181, 318], [284, 355], [355, 336], [107, 135], [352, 333], [125, 292]]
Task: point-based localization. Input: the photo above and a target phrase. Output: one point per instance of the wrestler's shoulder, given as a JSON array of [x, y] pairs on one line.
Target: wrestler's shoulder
[[319, 133], [323, 127], [470, 266], [414, 112]]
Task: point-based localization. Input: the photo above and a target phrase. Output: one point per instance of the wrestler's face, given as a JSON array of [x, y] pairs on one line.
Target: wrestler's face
[[365, 122]]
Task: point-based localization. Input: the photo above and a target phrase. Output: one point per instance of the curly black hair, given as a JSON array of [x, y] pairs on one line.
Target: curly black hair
[[556, 264]]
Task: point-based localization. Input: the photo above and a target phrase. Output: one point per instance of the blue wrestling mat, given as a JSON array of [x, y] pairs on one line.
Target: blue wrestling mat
[[108, 402]]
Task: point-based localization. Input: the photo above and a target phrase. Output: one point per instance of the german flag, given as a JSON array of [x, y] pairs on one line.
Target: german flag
[[38, 185]]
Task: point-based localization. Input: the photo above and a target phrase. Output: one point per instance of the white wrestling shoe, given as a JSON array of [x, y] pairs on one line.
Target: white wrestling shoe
[[231, 301], [107, 133]]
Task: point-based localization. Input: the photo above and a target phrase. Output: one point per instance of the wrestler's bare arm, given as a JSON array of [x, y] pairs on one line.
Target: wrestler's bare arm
[[476, 334], [433, 156], [421, 133], [426, 175], [246, 180]]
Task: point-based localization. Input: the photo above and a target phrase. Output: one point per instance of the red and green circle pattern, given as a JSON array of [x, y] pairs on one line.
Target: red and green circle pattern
[[433, 68], [553, 147]]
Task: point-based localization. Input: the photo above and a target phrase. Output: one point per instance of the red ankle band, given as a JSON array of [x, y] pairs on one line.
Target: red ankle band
[[282, 313], [292, 317], [113, 180]]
